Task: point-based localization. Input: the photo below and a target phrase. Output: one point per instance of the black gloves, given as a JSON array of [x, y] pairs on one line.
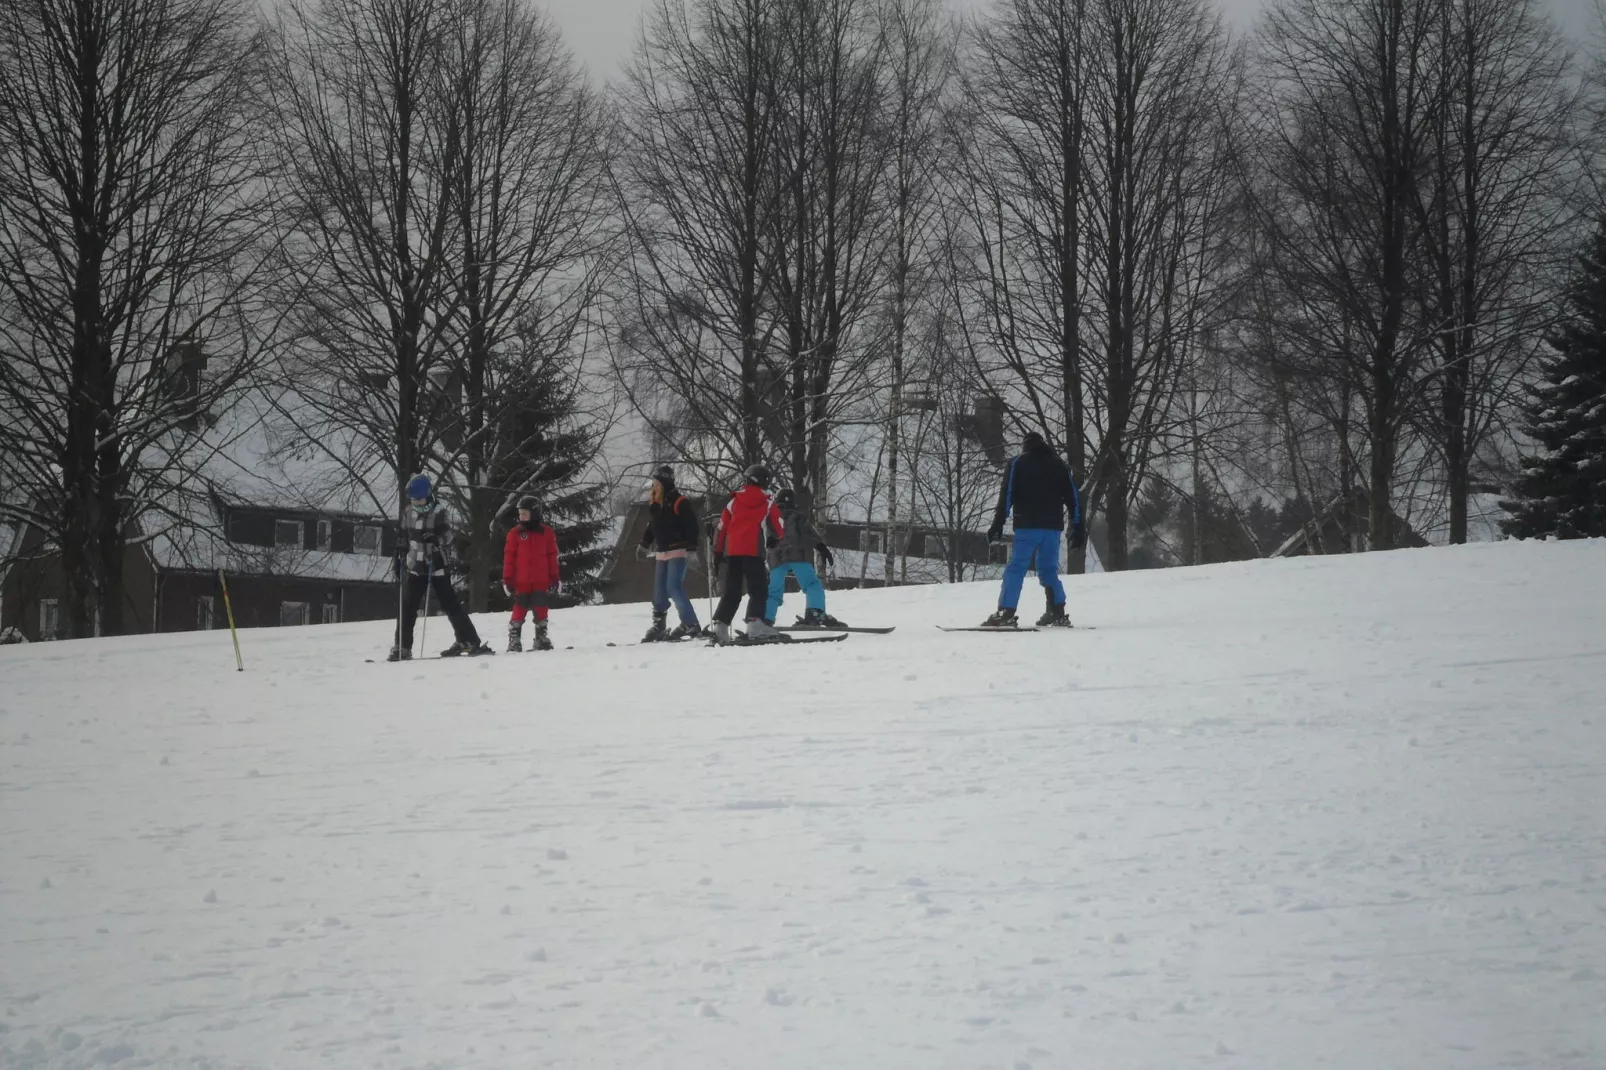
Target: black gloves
[[719, 560], [825, 554], [1078, 537], [995, 533], [771, 542]]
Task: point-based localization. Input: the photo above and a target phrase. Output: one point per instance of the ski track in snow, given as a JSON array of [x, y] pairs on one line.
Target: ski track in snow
[[1340, 812]]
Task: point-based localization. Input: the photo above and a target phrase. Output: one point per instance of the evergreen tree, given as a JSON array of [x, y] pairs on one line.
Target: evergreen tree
[[545, 446], [1562, 491]]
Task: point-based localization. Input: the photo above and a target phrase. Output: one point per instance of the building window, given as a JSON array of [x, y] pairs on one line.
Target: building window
[[331, 613], [324, 531], [937, 547], [293, 614], [203, 613], [49, 619], [871, 541], [287, 533], [367, 540]]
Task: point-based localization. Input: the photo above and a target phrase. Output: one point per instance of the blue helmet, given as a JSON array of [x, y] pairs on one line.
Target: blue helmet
[[419, 488]]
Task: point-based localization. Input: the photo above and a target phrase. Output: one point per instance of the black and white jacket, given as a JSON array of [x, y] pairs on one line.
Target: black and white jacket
[[426, 537]]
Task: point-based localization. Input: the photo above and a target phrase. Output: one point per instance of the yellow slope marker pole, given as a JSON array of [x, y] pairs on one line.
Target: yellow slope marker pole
[[228, 607]]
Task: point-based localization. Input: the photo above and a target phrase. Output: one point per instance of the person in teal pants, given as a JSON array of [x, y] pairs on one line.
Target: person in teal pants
[[794, 556]]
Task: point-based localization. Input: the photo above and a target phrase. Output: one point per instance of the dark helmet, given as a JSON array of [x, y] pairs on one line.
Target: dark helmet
[[665, 475], [759, 476], [529, 502], [786, 498]]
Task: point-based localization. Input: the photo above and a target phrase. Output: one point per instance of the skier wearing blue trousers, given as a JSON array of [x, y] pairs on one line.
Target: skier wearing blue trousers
[[671, 538], [794, 555], [1039, 490]]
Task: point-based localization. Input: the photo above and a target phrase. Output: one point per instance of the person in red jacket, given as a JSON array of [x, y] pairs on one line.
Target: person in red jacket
[[530, 573], [750, 524]]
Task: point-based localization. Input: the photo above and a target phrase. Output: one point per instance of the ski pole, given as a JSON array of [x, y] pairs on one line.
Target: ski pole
[[228, 607], [429, 581]]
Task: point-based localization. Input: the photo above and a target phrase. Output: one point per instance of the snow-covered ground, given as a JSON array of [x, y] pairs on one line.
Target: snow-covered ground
[[1342, 812]]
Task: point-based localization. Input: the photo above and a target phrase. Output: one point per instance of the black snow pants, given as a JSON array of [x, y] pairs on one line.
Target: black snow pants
[[441, 584], [740, 570]]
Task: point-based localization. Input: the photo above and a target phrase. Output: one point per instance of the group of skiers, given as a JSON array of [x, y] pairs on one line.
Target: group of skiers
[[760, 541]]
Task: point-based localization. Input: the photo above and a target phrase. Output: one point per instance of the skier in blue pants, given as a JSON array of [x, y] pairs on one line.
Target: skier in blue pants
[[793, 555], [1039, 490]]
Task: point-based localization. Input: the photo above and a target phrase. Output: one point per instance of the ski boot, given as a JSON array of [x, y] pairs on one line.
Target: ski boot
[[400, 653], [683, 630], [657, 634], [1054, 618], [515, 637], [541, 640], [760, 630], [462, 649], [1004, 618], [818, 618], [719, 633]]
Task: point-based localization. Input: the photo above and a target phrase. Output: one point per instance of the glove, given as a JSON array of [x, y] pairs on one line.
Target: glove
[[1078, 537], [825, 554], [507, 590], [771, 542], [995, 533], [719, 559], [428, 538]]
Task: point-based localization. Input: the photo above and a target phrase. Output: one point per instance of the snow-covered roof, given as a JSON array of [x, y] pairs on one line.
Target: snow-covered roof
[[190, 548]]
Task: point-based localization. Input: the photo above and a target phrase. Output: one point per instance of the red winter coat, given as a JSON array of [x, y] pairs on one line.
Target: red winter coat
[[530, 560], [741, 525]]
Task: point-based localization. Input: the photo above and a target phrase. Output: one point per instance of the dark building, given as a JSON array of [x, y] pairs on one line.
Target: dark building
[[284, 566]]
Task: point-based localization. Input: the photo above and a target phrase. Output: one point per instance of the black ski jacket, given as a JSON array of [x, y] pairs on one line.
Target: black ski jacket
[[1038, 488], [671, 526]]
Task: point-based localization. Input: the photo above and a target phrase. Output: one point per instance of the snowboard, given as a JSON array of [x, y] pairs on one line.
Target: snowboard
[[843, 628]]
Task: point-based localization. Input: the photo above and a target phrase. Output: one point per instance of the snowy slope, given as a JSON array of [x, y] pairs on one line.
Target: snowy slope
[[1341, 812]]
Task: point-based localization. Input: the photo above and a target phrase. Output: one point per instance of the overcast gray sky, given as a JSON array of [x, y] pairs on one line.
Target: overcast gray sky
[[601, 33]]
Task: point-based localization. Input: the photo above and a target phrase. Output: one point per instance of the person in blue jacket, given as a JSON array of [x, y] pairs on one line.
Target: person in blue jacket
[[1039, 490]]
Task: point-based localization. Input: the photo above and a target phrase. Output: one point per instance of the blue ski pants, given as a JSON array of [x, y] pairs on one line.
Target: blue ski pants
[[1043, 546], [669, 584], [807, 578]]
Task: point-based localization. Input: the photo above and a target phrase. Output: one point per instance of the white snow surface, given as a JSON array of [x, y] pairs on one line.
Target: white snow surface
[[1323, 812]]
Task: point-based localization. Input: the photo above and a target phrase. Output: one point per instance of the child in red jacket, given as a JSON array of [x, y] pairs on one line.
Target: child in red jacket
[[749, 525], [529, 573]]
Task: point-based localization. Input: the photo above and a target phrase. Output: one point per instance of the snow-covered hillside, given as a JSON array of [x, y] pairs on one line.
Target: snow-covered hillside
[[1342, 812]]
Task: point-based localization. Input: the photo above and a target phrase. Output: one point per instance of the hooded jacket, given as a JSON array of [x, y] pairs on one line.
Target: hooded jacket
[[671, 524], [800, 540], [530, 558], [741, 526], [1038, 489]]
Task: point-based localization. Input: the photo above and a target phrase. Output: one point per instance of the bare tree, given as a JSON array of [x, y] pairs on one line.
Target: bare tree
[[532, 206], [1347, 109], [370, 138], [697, 186], [919, 48], [136, 222], [830, 232], [1496, 215], [1095, 196]]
